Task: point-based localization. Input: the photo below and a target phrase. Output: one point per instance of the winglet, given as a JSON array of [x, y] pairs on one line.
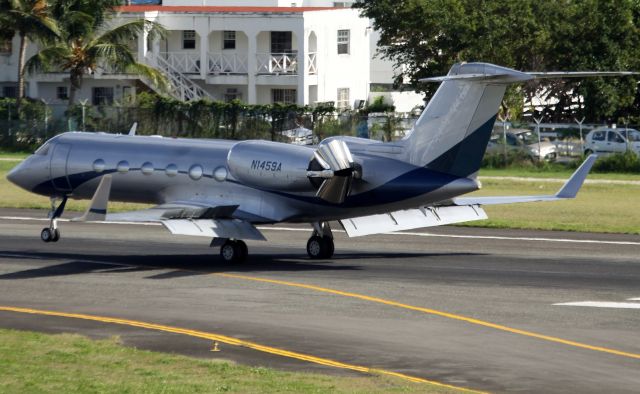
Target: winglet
[[97, 210], [572, 186], [133, 129]]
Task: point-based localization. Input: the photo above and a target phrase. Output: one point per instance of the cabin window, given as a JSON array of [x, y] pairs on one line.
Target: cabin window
[[171, 170], [123, 167], [147, 168], [195, 172], [99, 165]]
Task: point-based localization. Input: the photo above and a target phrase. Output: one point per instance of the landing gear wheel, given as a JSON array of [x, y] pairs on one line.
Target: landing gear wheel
[[244, 251], [319, 247], [56, 235], [234, 251], [47, 235], [330, 247]]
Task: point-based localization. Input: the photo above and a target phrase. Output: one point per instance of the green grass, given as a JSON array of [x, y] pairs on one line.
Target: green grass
[[553, 172], [598, 208], [40, 363]]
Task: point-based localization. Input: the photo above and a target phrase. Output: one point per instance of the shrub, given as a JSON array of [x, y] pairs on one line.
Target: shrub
[[618, 162]]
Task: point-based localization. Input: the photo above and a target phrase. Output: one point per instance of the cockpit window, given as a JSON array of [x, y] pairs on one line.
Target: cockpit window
[[43, 150]]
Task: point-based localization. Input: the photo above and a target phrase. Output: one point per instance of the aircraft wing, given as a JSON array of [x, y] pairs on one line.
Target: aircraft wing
[[568, 190], [458, 210], [179, 217]]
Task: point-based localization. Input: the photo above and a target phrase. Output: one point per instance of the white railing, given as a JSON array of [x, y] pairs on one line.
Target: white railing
[[187, 63], [312, 67], [277, 63], [228, 63], [181, 87]]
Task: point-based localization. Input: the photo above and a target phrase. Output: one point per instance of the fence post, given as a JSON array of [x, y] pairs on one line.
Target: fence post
[[579, 122], [83, 103], [538, 121]]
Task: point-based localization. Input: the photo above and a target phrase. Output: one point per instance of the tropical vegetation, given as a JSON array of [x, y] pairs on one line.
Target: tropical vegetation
[[425, 37]]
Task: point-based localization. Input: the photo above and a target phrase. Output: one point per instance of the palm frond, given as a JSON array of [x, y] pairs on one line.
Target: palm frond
[[155, 76], [133, 29]]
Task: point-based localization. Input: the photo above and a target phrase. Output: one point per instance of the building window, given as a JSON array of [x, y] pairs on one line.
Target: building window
[[281, 42], [284, 96], [341, 4], [343, 42], [62, 93], [102, 96], [229, 39], [10, 91], [188, 39], [232, 94], [343, 98]]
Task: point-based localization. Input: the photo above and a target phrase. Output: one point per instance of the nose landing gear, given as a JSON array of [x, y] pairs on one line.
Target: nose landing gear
[[51, 233]]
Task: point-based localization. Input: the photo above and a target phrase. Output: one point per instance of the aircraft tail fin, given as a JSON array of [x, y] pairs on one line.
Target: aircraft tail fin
[[453, 131]]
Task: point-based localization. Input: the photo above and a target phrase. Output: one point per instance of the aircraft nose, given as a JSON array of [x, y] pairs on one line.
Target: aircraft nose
[[19, 177]]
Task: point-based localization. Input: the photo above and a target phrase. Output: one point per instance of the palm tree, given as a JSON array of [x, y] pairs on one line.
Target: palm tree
[[90, 46], [32, 20]]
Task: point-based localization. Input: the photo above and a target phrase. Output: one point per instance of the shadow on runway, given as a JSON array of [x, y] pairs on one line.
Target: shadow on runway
[[184, 265]]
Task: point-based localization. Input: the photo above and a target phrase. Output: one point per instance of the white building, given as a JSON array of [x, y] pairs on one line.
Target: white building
[[283, 51]]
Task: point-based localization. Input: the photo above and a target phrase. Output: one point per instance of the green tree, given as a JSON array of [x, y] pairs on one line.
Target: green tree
[[89, 43], [32, 21], [426, 37]]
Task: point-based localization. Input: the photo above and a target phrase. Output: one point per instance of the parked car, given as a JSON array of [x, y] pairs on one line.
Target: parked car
[[610, 140], [299, 136], [523, 140]]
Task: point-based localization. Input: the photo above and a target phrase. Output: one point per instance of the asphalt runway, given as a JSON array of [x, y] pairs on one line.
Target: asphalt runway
[[472, 308]]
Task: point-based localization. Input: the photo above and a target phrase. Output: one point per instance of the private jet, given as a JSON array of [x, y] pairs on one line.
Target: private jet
[[222, 189]]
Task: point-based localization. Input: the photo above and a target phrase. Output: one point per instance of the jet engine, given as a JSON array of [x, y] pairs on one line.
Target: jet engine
[[334, 164], [271, 165]]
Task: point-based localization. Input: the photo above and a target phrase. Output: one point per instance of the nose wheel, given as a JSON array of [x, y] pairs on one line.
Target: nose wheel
[[51, 233]]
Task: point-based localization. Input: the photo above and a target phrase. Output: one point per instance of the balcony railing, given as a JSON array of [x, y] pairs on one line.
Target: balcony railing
[[312, 67], [227, 63], [277, 63], [187, 63]]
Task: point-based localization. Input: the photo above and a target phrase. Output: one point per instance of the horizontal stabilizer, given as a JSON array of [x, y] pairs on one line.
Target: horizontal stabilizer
[[97, 210], [222, 228], [410, 219], [568, 190]]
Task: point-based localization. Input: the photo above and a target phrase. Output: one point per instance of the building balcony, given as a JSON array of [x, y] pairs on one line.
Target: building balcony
[[227, 63], [277, 63], [184, 62]]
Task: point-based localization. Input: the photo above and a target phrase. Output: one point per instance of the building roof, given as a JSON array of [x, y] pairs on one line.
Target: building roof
[[218, 9]]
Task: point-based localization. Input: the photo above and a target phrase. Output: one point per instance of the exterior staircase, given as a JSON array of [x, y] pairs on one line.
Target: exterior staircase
[[181, 87]]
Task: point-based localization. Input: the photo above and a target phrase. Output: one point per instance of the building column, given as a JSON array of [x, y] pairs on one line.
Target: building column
[[204, 54], [33, 88], [252, 67], [142, 46], [303, 65]]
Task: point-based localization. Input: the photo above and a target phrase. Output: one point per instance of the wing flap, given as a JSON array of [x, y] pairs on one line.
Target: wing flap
[[410, 219], [214, 228]]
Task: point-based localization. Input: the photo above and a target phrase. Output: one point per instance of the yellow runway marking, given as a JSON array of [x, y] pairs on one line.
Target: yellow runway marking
[[436, 313], [233, 341]]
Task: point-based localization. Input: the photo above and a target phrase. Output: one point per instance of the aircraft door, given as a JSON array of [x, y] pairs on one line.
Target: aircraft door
[[58, 167]]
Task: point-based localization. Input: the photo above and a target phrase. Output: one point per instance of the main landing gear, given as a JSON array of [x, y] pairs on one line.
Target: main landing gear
[[320, 245], [51, 233], [233, 251]]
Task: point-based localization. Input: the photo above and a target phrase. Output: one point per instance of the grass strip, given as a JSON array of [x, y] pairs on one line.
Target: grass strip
[[66, 363]]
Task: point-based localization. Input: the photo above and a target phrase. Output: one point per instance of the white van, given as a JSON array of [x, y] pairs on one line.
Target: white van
[[610, 140]]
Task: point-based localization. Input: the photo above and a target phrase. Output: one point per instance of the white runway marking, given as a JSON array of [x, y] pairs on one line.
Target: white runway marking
[[603, 304], [415, 234]]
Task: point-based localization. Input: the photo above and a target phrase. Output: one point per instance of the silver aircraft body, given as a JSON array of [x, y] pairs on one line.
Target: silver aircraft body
[[222, 189]]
